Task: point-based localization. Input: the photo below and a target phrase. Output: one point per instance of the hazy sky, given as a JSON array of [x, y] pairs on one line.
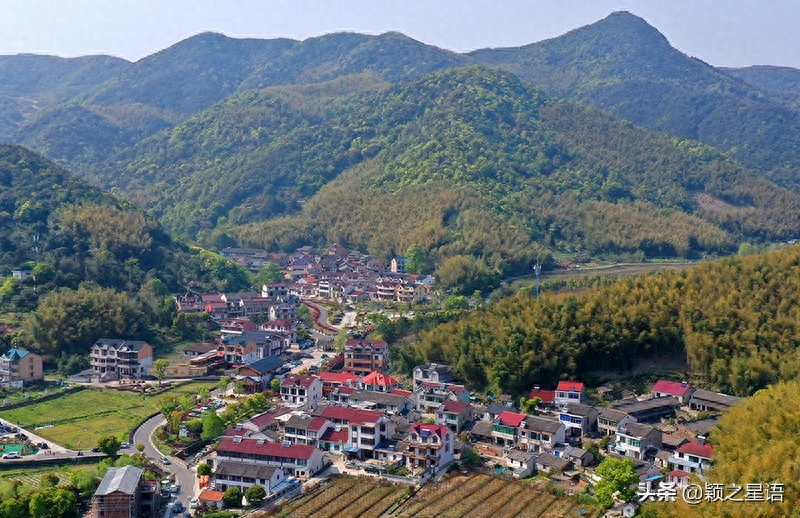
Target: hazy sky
[[721, 32]]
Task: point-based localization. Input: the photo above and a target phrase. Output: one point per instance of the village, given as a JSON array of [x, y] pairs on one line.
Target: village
[[341, 409]]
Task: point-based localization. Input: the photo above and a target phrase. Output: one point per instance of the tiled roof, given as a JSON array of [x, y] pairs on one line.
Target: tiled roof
[[542, 424], [511, 418], [337, 377], [701, 450], [298, 380], [635, 429], [426, 428], [379, 378], [351, 415], [567, 386], [547, 396], [673, 388], [123, 480], [252, 447], [208, 495], [679, 474], [453, 407], [244, 469], [336, 436], [375, 344]]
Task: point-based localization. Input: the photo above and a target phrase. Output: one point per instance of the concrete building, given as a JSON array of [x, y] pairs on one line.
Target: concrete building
[[113, 359], [119, 494], [20, 365]]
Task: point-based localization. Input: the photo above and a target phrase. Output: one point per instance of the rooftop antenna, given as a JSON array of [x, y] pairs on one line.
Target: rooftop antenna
[[537, 269]]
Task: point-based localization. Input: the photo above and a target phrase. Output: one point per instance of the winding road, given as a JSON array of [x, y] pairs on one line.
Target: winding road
[[183, 475]]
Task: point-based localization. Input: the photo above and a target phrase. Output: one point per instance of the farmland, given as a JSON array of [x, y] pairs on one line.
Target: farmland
[[474, 496], [77, 420]]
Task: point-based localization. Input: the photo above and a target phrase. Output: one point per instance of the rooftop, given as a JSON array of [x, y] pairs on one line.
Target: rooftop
[[123, 480], [673, 388], [570, 386]]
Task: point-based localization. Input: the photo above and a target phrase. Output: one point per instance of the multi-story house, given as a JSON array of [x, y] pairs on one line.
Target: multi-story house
[[429, 446], [305, 429], [378, 382], [505, 428], [297, 460], [19, 365], [365, 356], [433, 373], [454, 414], [693, 457], [539, 434], [610, 420], [578, 419], [366, 429], [301, 390], [680, 390], [430, 396], [570, 392], [115, 359], [229, 474], [238, 351], [119, 494], [636, 439]]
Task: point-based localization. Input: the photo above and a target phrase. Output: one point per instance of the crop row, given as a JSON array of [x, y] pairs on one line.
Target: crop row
[[330, 493], [495, 506], [335, 506], [373, 504]]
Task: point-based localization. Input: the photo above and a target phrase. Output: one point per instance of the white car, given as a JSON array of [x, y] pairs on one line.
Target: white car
[[12, 455], [193, 503], [124, 445]]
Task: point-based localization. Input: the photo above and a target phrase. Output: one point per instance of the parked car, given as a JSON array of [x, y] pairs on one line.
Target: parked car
[[12, 455], [124, 445], [95, 449], [177, 507], [193, 503], [371, 468], [165, 460]]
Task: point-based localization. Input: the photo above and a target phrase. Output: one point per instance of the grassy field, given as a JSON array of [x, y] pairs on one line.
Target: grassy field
[[472, 496], [79, 419]]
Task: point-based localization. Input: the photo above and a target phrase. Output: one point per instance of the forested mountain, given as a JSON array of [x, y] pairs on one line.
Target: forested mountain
[[778, 79], [734, 323], [84, 235], [32, 83], [465, 161], [165, 88], [623, 65]]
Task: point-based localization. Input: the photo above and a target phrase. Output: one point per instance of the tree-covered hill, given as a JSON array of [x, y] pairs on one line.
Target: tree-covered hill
[[165, 88], [778, 79], [32, 83], [68, 233], [734, 322], [623, 65], [481, 163]]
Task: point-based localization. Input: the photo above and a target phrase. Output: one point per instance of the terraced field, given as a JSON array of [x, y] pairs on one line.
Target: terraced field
[[474, 496]]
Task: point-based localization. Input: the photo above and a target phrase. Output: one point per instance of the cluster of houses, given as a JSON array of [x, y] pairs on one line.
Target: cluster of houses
[[372, 419], [338, 274]]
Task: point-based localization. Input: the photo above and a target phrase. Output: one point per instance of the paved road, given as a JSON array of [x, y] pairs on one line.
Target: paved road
[[184, 476]]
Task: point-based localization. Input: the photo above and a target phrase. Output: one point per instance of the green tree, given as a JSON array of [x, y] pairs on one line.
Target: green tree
[[470, 458], [617, 475], [48, 480], [13, 508], [160, 368], [233, 497], [109, 445], [275, 386], [223, 383], [268, 274], [255, 494], [340, 341], [43, 273], [213, 426], [203, 469], [416, 260]]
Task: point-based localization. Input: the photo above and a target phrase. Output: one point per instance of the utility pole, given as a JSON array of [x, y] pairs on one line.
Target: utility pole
[[537, 269]]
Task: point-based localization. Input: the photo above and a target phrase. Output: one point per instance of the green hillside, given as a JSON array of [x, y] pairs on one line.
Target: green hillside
[[165, 88], [32, 83], [733, 323], [85, 235], [778, 79], [623, 65]]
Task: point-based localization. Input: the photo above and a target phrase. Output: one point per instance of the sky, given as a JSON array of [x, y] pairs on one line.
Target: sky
[[720, 32]]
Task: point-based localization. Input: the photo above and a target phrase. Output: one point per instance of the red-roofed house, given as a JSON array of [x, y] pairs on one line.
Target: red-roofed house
[[693, 457], [304, 429], [335, 439], [504, 428], [367, 429], [429, 446], [680, 390], [301, 390], [547, 397], [570, 392], [378, 381], [209, 496], [454, 414], [297, 460], [332, 380]]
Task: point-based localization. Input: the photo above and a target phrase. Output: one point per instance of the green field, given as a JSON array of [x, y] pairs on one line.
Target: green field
[[79, 419]]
